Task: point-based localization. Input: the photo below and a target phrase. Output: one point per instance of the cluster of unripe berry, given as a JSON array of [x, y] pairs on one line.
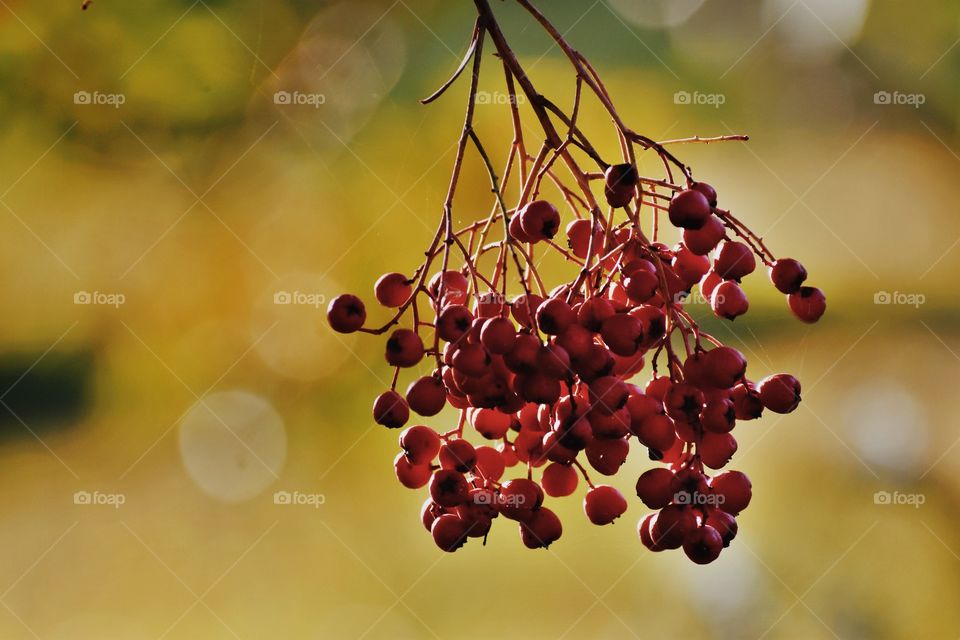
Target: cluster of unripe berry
[[543, 378]]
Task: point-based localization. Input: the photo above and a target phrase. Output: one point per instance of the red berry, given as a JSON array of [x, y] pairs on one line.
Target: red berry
[[719, 416], [427, 395], [524, 353], [705, 239], [559, 480], [703, 545], [420, 444], [448, 488], [780, 393], [410, 475], [607, 456], [392, 290], [576, 341], [541, 529], [453, 284], [643, 530], [734, 261], [490, 423], [733, 491], [518, 497], [656, 487], [724, 523], [622, 333], [404, 348], [729, 301], [578, 237], [554, 315], [498, 335], [490, 463], [657, 432], [724, 367], [620, 184], [671, 526], [540, 220], [594, 312], [683, 402], [458, 455], [603, 504], [641, 286], [429, 512], [517, 232], [454, 322], [747, 401], [390, 410], [787, 275], [449, 532], [689, 209], [716, 449], [707, 190], [524, 307], [808, 304], [346, 313], [688, 266]]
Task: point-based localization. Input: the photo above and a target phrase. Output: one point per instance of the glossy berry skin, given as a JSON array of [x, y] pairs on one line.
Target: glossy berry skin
[[787, 275], [458, 455], [724, 523], [540, 220], [729, 301], [707, 190], [404, 348], [490, 423], [449, 532], [554, 316], [346, 313], [392, 290], [453, 284], [724, 367], [517, 232], [689, 209], [733, 490], [454, 322], [604, 504], [518, 497], [672, 525], [390, 410], [410, 475], [559, 480], [620, 184], [420, 444], [427, 396], [703, 545], [449, 488], [490, 463], [606, 456], [578, 237], [656, 487], [716, 449], [622, 333], [808, 304], [541, 529], [735, 261], [705, 239], [746, 401], [780, 393], [498, 335]]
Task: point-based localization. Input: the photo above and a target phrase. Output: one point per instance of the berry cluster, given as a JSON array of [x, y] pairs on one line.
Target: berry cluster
[[544, 375]]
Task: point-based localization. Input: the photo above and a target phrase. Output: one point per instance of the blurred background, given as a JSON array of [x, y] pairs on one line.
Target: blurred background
[[185, 184]]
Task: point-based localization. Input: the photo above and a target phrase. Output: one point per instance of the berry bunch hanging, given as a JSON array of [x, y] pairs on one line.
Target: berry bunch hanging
[[543, 376]]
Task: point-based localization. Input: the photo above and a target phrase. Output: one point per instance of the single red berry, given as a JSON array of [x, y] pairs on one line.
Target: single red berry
[[641, 286], [671, 526], [537, 387], [541, 529], [346, 313], [622, 333], [540, 220], [471, 359], [787, 275], [404, 348], [449, 532], [689, 209], [593, 312], [609, 426], [393, 289], [683, 402], [490, 463], [620, 184], [705, 239], [716, 449], [608, 394], [734, 261], [554, 361], [780, 393], [578, 237], [523, 355], [603, 504], [448, 488], [517, 232], [707, 190], [454, 322], [724, 367], [729, 301], [747, 401], [703, 545], [724, 523], [524, 307], [643, 530], [489, 423], [559, 480], [498, 335], [518, 497], [390, 410], [410, 475], [653, 323], [458, 455], [656, 487], [429, 512], [733, 491], [719, 416], [576, 341], [658, 387], [420, 444], [554, 315], [607, 455], [427, 395], [808, 304], [453, 284]]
